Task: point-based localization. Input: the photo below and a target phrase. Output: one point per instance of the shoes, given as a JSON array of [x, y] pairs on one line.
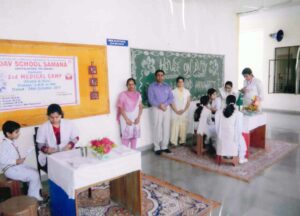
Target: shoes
[[158, 152], [166, 151], [243, 160]]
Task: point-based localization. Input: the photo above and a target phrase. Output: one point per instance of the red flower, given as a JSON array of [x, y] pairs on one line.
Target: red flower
[[102, 146]]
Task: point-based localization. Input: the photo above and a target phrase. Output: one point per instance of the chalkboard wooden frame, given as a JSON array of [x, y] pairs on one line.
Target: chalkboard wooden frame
[[201, 71]]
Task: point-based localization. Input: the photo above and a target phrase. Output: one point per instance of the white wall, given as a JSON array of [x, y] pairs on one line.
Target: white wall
[[207, 26], [266, 22]]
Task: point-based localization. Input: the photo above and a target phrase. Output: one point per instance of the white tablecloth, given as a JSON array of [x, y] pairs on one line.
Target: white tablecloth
[[253, 121], [70, 171], [249, 122]]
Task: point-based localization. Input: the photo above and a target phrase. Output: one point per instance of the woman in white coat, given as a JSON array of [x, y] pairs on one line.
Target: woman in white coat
[[57, 134], [229, 124], [253, 89]]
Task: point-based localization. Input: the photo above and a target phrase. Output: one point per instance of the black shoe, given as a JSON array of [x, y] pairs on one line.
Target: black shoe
[[167, 151], [158, 152]]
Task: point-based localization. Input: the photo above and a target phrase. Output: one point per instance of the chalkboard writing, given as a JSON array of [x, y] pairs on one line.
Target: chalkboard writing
[[201, 71]]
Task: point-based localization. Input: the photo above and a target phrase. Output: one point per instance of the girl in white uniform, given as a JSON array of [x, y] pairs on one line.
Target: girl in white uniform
[[253, 89], [226, 91], [12, 164], [55, 135], [179, 116], [203, 116], [229, 124], [215, 103]]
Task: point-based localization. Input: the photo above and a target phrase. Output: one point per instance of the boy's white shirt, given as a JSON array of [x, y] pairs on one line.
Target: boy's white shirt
[[8, 153]]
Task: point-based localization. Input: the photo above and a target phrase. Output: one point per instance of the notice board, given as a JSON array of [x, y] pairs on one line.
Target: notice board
[[36, 74]]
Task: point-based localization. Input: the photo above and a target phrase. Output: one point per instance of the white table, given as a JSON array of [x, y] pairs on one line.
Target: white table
[[69, 173], [250, 122]]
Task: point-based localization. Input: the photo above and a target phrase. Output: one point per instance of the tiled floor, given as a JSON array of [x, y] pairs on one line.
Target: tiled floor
[[275, 192]]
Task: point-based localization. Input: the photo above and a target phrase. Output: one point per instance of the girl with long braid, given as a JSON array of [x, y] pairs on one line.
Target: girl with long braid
[[229, 124]]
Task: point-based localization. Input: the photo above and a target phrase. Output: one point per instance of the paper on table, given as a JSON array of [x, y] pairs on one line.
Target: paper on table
[[122, 150], [80, 161]]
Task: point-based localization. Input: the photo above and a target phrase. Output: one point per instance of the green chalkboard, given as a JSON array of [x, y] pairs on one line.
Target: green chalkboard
[[201, 71]]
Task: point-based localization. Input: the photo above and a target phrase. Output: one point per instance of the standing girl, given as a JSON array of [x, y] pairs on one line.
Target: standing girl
[[57, 134]]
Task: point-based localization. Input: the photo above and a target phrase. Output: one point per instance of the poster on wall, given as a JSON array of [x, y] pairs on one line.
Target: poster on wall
[[34, 81]]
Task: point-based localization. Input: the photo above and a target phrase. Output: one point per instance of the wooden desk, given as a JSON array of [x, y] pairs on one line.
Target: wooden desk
[[69, 174], [254, 130]]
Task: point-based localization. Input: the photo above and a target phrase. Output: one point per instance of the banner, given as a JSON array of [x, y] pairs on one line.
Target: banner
[[33, 81]]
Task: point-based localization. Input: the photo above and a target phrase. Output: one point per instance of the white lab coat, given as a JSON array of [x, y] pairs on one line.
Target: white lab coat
[[206, 126], [8, 157], [230, 141], [252, 88], [215, 104], [224, 95], [45, 136]]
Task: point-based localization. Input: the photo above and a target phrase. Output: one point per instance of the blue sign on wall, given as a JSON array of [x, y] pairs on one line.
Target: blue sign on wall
[[116, 42]]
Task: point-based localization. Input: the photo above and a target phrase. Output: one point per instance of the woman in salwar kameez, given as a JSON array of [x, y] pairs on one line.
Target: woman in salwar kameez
[[180, 109], [129, 113]]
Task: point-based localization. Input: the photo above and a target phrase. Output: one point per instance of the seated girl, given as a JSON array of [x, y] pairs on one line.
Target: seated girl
[[225, 91], [215, 102], [229, 124], [202, 116], [57, 134]]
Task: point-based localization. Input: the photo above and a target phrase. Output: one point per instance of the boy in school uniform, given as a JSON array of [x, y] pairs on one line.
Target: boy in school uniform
[[12, 163]]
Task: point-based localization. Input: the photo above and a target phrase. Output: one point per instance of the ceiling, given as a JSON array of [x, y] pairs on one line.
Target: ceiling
[[249, 6]]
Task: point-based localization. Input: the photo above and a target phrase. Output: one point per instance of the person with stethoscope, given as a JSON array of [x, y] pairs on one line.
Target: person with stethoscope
[[252, 90]]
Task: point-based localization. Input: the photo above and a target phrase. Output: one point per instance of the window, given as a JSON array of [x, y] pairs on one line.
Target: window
[[283, 74]]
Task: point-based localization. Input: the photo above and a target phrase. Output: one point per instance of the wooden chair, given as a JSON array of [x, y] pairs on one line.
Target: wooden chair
[[36, 147], [13, 185], [234, 160], [199, 148], [4, 193], [19, 206]]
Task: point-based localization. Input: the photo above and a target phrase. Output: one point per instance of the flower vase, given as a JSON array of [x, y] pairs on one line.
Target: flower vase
[[99, 156]]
